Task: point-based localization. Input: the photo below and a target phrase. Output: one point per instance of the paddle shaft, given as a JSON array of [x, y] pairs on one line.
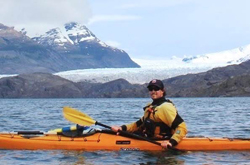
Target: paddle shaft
[[136, 136], [130, 134]]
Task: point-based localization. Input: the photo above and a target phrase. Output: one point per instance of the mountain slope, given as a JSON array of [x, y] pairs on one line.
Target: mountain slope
[[84, 49], [55, 52], [20, 54]]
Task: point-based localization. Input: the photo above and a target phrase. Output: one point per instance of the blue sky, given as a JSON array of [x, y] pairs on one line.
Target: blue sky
[[151, 29]]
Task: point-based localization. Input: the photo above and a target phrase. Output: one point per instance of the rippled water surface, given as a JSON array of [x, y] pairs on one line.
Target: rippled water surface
[[213, 117]]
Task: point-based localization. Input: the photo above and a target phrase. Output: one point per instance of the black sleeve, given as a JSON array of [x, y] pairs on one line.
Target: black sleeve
[[178, 120], [173, 142], [124, 127]]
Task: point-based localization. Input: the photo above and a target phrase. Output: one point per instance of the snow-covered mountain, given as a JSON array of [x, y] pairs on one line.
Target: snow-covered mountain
[[162, 69], [71, 34], [77, 43], [223, 58], [234, 56], [60, 49]]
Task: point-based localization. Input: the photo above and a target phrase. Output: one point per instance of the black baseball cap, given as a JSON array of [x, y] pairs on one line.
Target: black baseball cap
[[157, 83]]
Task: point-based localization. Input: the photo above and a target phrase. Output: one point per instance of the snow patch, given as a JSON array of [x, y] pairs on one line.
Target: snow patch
[[7, 75], [87, 38]]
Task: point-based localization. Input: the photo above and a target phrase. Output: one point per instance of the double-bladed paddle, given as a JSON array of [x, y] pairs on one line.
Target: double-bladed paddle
[[80, 118]]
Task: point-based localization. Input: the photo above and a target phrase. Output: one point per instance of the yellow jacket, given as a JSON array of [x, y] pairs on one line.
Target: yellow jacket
[[163, 114]]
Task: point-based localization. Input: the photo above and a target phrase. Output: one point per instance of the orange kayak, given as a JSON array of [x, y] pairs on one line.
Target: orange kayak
[[107, 141]]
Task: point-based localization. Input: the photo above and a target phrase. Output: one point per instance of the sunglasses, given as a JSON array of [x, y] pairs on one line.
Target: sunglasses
[[154, 88]]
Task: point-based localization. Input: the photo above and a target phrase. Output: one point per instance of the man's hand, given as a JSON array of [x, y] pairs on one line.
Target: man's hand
[[116, 129], [166, 144]]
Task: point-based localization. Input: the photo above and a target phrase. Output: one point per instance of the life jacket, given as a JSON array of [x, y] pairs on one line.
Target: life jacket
[[155, 129]]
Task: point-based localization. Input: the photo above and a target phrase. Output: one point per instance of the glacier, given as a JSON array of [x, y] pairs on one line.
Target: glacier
[[132, 75], [160, 69]]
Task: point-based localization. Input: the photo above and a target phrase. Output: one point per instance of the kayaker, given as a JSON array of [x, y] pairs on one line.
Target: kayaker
[[160, 119]]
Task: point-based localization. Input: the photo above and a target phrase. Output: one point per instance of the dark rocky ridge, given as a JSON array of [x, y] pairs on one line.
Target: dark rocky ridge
[[210, 83]]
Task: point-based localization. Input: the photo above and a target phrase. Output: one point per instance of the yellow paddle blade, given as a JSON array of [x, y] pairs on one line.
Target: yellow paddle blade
[[77, 117]]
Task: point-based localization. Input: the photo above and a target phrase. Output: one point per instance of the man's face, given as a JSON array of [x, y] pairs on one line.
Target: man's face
[[155, 92]]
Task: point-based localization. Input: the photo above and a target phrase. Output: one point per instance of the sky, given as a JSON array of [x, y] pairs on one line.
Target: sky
[[145, 29]]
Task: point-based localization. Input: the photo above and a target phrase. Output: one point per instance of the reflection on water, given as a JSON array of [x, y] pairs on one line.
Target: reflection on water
[[124, 157], [120, 157]]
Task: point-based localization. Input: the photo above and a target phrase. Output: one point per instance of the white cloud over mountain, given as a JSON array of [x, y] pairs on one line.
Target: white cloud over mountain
[[38, 16]]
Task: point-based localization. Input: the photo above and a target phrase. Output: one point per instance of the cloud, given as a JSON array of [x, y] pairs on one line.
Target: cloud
[[41, 14], [100, 18]]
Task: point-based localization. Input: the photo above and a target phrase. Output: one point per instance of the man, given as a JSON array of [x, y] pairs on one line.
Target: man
[[160, 120]]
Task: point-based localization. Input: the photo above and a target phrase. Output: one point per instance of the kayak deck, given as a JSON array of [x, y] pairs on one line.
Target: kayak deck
[[106, 141]]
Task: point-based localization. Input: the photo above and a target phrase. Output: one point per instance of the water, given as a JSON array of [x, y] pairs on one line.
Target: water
[[214, 117]]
